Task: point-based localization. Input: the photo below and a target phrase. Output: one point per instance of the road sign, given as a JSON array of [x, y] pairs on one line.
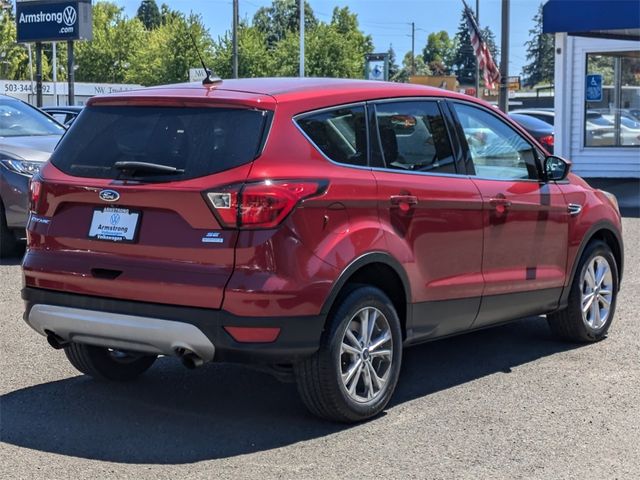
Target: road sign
[[376, 66], [197, 74], [52, 20], [594, 88], [513, 83]]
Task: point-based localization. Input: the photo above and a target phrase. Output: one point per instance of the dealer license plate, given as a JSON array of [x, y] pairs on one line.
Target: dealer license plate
[[114, 224]]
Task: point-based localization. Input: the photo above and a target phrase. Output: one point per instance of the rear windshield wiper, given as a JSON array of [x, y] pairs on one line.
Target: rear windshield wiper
[[137, 168]]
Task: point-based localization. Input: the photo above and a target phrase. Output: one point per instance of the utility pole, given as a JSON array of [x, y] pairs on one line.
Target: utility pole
[[301, 8], [413, 48], [71, 74], [38, 74], [478, 95], [504, 59], [54, 54], [235, 39]]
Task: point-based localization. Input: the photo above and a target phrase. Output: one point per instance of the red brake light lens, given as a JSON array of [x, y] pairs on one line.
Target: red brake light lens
[[261, 205], [547, 140], [35, 189]]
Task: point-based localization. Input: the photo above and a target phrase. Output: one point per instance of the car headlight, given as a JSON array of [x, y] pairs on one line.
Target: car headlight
[[612, 198], [19, 165]]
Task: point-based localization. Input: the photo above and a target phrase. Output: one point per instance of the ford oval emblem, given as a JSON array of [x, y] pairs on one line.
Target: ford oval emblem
[[109, 195]]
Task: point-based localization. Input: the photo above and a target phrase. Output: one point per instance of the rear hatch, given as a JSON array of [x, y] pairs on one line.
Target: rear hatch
[[121, 210]]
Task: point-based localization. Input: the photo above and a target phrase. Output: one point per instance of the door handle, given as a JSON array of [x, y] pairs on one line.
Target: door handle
[[407, 199], [404, 202], [500, 203]]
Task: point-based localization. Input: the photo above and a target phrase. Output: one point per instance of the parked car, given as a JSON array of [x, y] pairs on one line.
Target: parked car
[[629, 129], [599, 130], [311, 226], [64, 114], [547, 115], [27, 138], [538, 129]]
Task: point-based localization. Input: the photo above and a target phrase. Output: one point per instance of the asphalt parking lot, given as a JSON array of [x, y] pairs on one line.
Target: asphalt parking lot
[[509, 402]]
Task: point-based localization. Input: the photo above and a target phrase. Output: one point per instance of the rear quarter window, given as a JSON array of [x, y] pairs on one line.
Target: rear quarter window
[[341, 134], [199, 141]]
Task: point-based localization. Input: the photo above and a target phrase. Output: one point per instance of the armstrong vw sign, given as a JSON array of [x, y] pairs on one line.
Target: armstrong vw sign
[[53, 20]]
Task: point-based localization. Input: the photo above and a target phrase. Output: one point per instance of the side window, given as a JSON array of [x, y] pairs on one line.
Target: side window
[[340, 134], [497, 150], [413, 136]]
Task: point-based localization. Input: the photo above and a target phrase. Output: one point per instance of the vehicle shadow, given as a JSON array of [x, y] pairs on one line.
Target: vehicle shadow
[[175, 416]]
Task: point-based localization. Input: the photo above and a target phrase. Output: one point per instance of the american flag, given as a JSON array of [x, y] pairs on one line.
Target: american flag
[[490, 72]]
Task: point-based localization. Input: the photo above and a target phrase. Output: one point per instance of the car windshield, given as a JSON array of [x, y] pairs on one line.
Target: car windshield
[[18, 119]]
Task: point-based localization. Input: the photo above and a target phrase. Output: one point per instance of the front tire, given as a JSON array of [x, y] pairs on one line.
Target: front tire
[[592, 298], [106, 364], [355, 371]]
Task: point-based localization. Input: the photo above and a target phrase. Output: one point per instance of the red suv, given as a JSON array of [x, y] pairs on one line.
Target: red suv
[[314, 226]]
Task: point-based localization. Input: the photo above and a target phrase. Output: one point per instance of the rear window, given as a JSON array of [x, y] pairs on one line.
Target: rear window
[[198, 141]]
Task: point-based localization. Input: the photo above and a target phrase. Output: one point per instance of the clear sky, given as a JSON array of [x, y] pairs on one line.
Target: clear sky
[[388, 22]]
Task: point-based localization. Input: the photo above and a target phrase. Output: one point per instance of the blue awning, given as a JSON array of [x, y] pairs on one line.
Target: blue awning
[[602, 18]]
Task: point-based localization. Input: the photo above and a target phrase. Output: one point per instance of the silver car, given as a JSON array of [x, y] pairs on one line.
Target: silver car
[[27, 138]]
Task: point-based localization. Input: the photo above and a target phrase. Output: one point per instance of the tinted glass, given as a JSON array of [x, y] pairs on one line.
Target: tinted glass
[[496, 149], [413, 136], [18, 120], [200, 141], [340, 134]]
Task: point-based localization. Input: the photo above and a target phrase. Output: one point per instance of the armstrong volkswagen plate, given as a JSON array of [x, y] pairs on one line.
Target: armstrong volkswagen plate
[[114, 224]]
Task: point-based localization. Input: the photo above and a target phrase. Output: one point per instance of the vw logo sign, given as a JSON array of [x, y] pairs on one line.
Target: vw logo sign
[[115, 219], [69, 16], [109, 195]]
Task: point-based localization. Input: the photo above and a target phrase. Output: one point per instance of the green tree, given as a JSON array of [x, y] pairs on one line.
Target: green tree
[[406, 71], [540, 54], [14, 60], [334, 49], [254, 59], [394, 68], [439, 48], [149, 14], [152, 64], [116, 40], [464, 59], [281, 18], [167, 13]]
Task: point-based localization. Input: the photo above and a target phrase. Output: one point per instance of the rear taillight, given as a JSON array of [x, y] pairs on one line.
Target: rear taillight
[[261, 205], [547, 140], [35, 196]]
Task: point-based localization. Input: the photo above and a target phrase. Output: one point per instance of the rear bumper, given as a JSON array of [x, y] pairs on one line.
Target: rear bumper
[[160, 328]]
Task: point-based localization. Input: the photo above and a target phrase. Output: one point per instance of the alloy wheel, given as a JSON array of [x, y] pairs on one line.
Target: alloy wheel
[[597, 292], [366, 355]]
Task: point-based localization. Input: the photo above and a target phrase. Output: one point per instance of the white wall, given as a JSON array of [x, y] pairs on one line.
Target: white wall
[[570, 76], [25, 90]]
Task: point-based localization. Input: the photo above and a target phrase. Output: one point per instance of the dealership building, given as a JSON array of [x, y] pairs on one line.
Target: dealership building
[[597, 87]]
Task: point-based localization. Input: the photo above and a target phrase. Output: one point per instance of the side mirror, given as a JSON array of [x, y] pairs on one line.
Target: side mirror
[[556, 168]]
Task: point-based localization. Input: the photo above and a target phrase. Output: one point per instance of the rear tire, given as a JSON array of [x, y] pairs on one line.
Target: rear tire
[[592, 298], [355, 371], [105, 364]]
